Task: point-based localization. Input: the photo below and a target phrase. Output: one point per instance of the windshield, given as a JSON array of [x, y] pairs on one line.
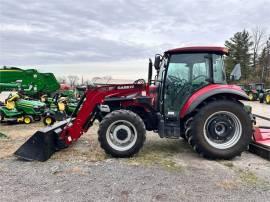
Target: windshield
[[259, 86], [191, 68]]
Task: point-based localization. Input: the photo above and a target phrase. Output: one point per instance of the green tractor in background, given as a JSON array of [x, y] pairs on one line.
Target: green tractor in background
[[21, 110], [255, 91], [60, 108]]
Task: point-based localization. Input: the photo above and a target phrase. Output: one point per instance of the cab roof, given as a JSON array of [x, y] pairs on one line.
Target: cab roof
[[199, 49]]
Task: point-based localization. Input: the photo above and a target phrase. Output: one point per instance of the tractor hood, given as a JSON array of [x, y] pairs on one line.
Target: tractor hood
[[30, 103]]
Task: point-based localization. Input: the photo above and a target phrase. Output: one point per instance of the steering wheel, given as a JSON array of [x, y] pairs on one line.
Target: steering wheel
[[174, 80], [196, 77]]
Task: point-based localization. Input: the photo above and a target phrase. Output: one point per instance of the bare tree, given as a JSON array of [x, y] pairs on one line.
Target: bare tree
[[258, 35], [73, 79]]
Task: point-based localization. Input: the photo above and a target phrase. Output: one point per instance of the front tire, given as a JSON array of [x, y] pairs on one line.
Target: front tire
[[48, 120], [220, 130], [121, 133], [28, 119]]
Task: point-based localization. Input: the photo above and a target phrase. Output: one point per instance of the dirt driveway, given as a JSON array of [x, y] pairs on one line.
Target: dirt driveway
[[165, 170]]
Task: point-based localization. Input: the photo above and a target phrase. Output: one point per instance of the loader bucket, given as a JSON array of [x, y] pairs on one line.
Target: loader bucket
[[42, 144]]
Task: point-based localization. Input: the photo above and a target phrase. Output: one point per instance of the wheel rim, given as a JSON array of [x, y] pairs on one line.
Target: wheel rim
[[268, 99], [48, 121], [27, 120], [250, 96], [222, 130], [121, 135]]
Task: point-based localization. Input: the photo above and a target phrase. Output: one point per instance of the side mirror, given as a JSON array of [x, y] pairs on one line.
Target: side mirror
[[150, 71], [157, 62], [236, 73]]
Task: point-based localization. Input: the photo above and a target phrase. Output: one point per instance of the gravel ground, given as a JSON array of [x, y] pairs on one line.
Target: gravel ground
[[165, 170]]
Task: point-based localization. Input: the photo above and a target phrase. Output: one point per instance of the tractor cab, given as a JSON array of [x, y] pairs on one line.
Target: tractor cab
[[183, 71]]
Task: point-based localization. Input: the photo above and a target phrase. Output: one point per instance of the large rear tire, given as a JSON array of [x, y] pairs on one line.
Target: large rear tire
[[220, 130], [121, 133]]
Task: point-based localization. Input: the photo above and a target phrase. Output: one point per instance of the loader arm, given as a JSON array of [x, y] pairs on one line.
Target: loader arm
[[46, 141], [86, 110]]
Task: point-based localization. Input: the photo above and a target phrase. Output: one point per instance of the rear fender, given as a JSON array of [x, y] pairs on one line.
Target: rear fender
[[228, 91]]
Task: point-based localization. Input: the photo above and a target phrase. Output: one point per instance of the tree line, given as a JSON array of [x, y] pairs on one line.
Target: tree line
[[250, 49]]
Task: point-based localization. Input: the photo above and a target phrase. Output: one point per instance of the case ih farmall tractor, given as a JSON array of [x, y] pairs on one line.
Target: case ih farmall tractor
[[188, 98]]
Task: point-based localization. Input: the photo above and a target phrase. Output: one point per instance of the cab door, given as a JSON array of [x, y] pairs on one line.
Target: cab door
[[186, 73]]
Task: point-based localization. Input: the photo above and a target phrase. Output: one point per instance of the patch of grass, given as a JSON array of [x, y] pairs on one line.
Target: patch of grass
[[249, 177], [3, 136], [152, 159], [160, 153]]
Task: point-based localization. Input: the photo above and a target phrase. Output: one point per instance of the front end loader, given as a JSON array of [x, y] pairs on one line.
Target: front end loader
[[189, 98]]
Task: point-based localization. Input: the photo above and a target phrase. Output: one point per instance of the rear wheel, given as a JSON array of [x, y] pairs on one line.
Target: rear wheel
[[220, 130], [28, 119], [121, 133]]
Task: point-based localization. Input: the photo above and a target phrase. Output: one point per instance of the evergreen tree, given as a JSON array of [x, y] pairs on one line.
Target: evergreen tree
[[239, 46], [264, 62]]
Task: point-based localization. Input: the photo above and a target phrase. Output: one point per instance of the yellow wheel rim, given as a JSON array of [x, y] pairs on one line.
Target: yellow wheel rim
[[48, 121], [250, 96], [27, 120], [267, 99]]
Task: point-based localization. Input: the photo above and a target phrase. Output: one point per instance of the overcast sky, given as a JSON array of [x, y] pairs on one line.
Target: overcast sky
[[116, 37]]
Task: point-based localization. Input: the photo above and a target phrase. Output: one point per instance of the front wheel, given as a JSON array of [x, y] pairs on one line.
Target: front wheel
[[48, 120], [28, 119], [121, 133], [220, 130]]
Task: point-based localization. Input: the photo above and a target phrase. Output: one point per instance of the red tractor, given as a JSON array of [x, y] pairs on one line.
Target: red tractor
[[188, 98]]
